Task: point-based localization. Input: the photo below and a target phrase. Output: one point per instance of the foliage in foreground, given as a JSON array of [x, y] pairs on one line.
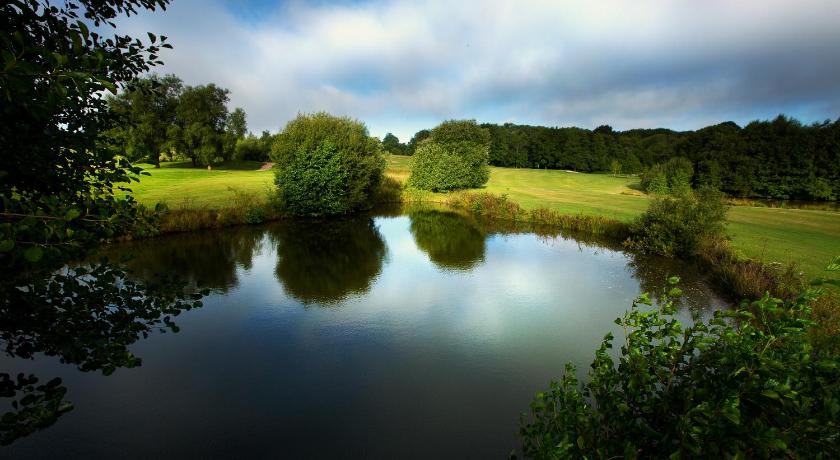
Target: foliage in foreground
[[57, 201], [326, 165], [454, 157], [746, 384]]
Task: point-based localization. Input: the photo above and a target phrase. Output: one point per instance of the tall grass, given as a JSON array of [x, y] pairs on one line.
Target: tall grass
[[500, 207], [747, 278], [245, 208]]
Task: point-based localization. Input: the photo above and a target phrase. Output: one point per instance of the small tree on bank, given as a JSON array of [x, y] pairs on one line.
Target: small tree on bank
[[675, 225], [326, 165], [455, 156]]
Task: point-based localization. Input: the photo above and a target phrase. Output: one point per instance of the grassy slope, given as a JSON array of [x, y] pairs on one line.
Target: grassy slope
[[782, 235], [179, 184]]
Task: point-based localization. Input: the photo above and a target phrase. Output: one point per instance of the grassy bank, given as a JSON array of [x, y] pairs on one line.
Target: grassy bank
[[774, 235]]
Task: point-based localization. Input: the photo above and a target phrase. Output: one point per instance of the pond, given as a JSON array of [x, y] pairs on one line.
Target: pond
[[392, 335]]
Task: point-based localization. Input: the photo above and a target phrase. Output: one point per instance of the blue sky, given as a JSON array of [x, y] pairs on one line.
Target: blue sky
[[400, 66]]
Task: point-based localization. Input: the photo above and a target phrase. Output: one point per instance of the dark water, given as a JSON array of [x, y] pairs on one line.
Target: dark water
[[390, 336]]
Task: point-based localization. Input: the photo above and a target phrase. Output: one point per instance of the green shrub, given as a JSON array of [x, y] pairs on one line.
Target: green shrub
[[325, 165], [679, 172], [675, 225], [674, 176], [455, 156], [654, 181], [254, 214], [746, 384]]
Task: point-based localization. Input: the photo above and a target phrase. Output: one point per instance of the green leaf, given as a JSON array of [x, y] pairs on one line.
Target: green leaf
[[33, 254], [770, 394], [6, 245], [72, 214]]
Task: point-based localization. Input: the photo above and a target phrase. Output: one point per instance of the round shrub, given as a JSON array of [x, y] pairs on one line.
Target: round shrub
[[325, 165], [675, 225], [455, 156]]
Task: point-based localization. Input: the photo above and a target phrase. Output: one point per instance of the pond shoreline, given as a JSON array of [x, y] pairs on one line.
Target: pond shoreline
[[735, 276]]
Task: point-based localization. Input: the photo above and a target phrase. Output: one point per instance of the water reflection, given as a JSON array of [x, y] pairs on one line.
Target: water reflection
[[488, 313], [324, 262], [202, 259], [452, 241], [87, 317]]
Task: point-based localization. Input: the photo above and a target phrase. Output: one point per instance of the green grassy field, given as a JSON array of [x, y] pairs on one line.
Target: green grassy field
[[810, 238]]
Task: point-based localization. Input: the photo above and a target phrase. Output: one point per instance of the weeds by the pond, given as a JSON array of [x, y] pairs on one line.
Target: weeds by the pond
[[245, 208], [500, 207], [747, 278]]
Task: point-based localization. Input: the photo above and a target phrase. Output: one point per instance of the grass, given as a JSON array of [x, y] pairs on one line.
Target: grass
[[179, 183], [807, 237]]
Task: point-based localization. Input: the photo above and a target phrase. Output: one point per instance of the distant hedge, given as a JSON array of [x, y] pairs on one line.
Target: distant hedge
[[325, 165], [454, 156]]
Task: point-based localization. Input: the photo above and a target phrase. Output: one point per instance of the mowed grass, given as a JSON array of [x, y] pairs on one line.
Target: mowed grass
[[809, 238], [180, 184]]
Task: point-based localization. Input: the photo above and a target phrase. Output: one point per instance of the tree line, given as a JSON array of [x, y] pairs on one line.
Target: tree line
[[161, 118], [780, 158]]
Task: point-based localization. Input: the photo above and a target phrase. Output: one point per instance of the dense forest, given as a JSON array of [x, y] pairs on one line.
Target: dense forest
[[781, 159]]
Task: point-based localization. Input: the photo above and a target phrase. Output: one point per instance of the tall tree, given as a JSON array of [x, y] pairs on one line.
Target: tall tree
[[418, 137], [201, 119], [147, 110], [392, 144]]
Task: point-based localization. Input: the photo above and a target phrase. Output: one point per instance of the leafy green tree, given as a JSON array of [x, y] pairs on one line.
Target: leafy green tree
[[415, 141], [237, 124], [679, 172], [57, 199], [253, 148], [201, 120], [392, 145], [236, 127], [146, 110], [615, 167], [455, 156], [326, 165], [655, 180]]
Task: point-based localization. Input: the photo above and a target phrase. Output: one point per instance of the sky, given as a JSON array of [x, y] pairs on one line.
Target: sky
[[401, 66]]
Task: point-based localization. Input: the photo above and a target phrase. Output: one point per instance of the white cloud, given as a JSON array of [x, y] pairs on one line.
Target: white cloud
[[401, 66]]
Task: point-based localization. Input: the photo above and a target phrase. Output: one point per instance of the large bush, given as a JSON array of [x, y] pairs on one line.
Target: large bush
[[675, 225], [326, 165], [747, 384], [454, 156]]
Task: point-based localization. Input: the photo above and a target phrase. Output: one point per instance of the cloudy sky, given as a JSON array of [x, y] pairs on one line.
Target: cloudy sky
[[400, 66]]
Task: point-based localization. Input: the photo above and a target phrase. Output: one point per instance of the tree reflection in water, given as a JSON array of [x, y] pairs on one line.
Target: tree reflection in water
[[324, 262], [205, 259], [86, 317], [452, 241]]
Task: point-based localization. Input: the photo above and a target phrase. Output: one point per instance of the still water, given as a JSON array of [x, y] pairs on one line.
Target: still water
[[393, 335]]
